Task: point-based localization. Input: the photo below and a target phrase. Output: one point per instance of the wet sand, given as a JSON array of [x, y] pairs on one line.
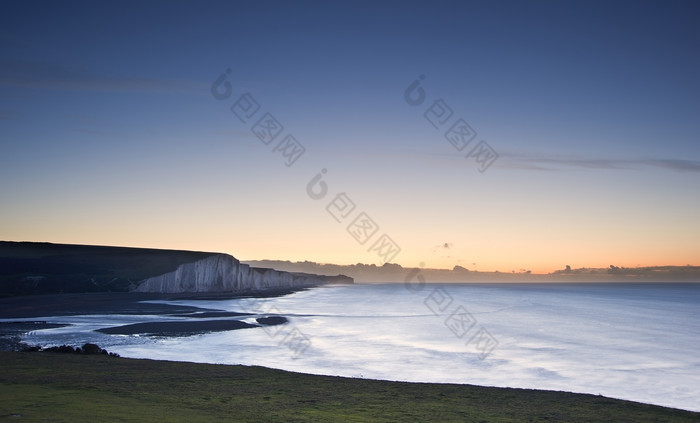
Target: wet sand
[[188, 328], [44, 306], [36, 306], [177, 328]]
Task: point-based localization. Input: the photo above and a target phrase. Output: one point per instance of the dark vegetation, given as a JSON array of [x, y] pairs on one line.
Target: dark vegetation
[[86, 349], [86, 388], [44, 268]]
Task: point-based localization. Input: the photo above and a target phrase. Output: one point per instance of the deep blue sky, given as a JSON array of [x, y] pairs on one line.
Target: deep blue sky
[[110, 134]]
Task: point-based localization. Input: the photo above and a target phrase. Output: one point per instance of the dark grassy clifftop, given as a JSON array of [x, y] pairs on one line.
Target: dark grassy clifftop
[[44, 268]]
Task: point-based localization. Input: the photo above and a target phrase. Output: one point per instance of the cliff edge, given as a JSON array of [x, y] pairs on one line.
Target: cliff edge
[[222, 273]]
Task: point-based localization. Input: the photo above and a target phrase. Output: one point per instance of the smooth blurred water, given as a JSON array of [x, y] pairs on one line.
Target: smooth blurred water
[[632, 341]]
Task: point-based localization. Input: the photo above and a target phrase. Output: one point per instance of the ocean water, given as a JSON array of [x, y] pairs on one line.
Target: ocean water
[[639, 342]]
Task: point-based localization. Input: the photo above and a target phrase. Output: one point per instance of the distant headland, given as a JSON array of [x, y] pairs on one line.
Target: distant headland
[[391, 272]]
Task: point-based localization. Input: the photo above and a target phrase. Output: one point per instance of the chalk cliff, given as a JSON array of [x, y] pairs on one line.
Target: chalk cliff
[[222, 273]]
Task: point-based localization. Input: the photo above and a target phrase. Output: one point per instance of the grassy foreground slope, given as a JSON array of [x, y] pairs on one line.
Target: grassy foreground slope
[[76, 388]]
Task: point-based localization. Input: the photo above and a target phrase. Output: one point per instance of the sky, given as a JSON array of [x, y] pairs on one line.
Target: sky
[[494, 135]]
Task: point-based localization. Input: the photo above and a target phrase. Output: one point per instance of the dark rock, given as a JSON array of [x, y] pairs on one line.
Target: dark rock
[[272, 320]]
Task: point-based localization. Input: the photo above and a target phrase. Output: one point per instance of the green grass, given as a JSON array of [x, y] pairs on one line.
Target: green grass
[[49, 387]]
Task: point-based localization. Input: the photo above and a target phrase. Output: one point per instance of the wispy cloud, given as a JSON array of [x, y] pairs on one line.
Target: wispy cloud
[[543, 163], [679, 165], [60, 77]]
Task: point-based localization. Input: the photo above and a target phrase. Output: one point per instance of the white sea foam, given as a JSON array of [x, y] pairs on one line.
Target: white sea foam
[[635, 342]]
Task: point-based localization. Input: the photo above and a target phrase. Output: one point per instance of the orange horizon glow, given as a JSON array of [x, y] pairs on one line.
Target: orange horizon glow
[[444, 264]]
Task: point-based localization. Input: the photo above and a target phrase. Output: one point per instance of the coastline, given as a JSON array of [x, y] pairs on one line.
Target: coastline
[[237, 354], [24, 314]]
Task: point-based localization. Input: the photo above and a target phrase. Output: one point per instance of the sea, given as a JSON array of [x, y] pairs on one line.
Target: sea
[[638, 342]]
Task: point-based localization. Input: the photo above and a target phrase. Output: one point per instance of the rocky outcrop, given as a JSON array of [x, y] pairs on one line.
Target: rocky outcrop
[[222, 273]]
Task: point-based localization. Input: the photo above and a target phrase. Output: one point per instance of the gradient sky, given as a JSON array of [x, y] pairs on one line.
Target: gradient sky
[[110, 133]]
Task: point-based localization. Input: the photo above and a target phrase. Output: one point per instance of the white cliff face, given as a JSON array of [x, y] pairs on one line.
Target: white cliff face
[[224, 273]]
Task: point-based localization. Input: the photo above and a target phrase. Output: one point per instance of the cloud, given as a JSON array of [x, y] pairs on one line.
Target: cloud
[[678, 165], [60, 77], [543, 163]]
